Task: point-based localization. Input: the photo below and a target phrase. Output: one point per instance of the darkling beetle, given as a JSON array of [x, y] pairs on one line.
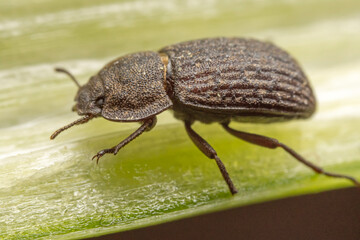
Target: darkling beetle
[[207, 80]]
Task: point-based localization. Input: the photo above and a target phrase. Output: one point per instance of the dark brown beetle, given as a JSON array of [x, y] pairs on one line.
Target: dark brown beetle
[[207, 80]]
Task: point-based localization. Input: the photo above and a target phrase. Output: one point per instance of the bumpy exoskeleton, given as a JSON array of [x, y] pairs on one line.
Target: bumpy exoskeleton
[[208, 80]]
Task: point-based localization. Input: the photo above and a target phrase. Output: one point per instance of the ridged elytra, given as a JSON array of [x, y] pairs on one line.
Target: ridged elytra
[[207, 80]]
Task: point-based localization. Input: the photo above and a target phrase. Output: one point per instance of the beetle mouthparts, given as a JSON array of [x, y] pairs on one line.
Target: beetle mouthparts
[[82, 120]]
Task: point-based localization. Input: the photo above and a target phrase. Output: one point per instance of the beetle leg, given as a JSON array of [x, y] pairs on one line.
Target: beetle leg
[[210, 153], [273, 143], [146, 126]]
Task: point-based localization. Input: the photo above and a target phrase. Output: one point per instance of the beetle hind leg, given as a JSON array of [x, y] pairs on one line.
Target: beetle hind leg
[[273, 143], [210, 153]]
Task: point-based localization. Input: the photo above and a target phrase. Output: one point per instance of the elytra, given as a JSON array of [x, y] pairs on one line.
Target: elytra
[[207, 80]]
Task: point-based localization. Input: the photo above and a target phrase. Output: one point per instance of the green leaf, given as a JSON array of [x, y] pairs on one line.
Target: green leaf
[[51, 189]]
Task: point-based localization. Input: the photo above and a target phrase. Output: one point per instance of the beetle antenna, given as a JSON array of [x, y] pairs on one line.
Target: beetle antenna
[[69, 74], [82, 120]]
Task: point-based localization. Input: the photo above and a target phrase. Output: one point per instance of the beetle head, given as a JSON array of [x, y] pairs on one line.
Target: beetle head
[[128, 89], [90, 98]]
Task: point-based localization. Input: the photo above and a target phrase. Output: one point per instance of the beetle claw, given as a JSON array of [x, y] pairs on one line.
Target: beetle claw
[[98, 156]]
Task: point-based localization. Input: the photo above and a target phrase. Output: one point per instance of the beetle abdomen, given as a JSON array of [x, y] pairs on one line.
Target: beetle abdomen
[[238, 77]]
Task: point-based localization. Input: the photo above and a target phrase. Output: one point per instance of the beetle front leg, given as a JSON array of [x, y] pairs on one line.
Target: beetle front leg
[[146, 126], [210, 153], [273, 143]]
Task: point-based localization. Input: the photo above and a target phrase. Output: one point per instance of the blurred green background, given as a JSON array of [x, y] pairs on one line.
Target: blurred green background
[[51, 189]]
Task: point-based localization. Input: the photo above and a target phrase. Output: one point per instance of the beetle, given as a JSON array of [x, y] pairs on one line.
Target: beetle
[[206, 80]]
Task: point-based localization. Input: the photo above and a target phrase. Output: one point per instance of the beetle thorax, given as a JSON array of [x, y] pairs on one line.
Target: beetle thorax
[[134, 87]]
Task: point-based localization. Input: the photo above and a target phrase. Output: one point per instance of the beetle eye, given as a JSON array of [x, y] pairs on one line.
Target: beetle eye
[[99, 102]]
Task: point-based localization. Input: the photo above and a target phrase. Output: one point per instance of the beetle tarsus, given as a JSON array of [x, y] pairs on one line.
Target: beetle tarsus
[[273, 143]]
